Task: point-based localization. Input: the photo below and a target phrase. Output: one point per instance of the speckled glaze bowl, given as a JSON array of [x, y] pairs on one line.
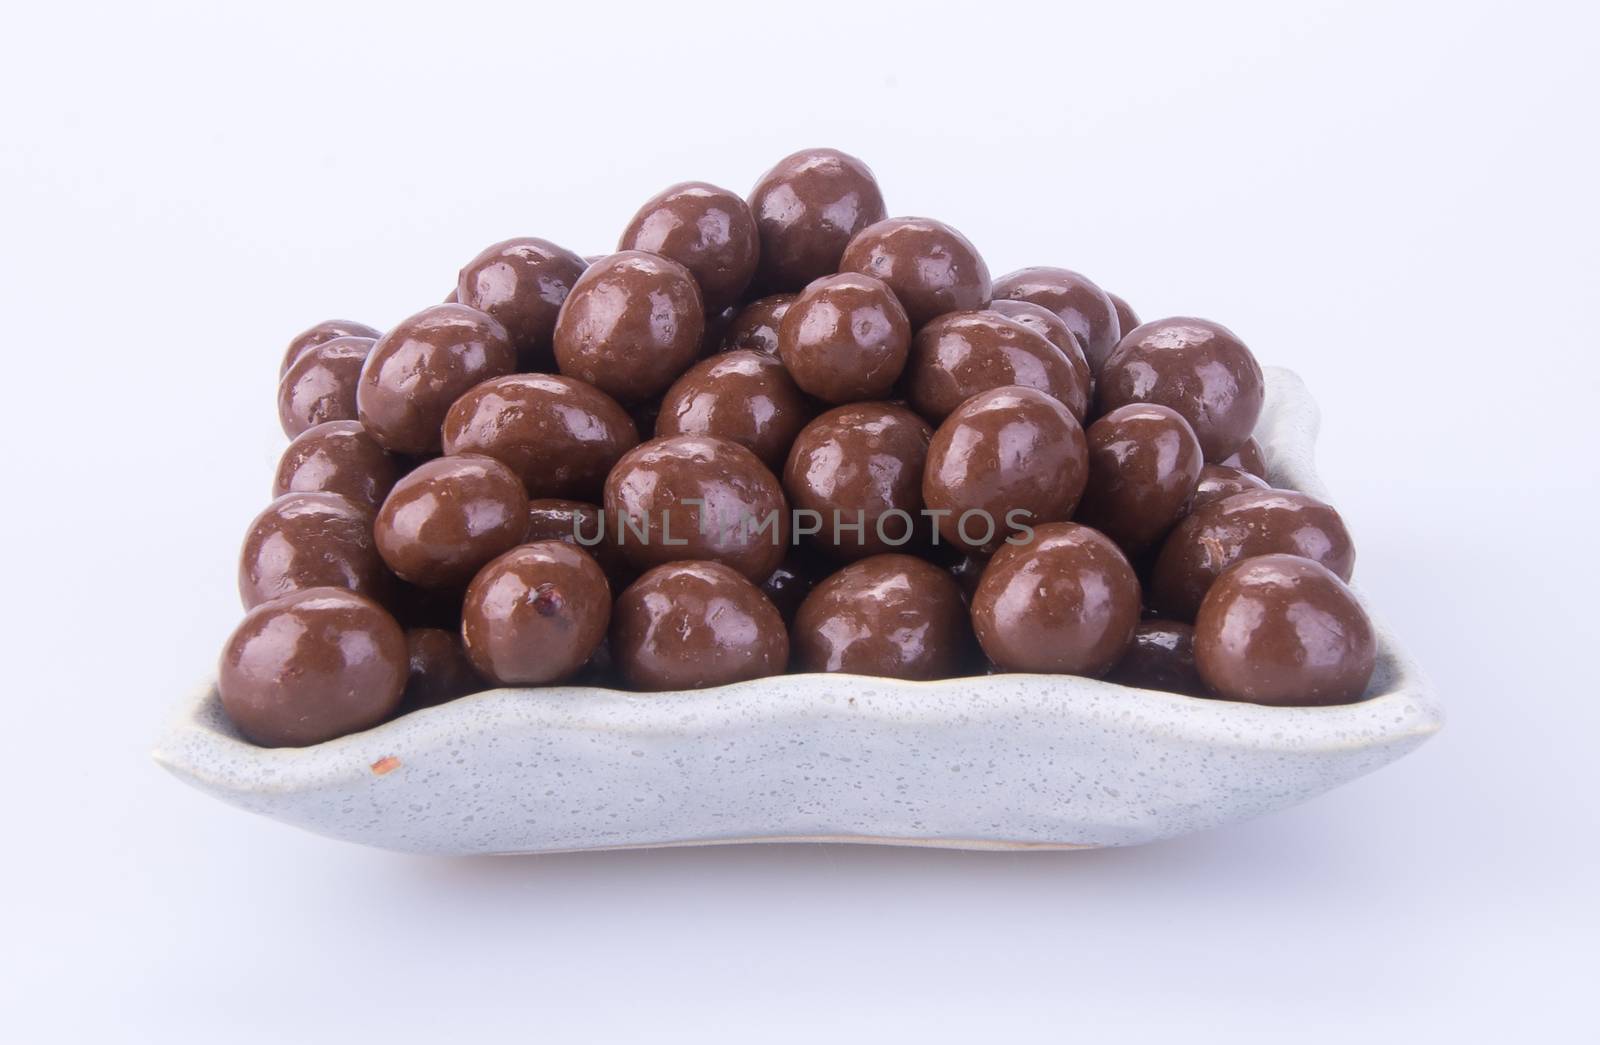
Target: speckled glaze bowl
[[1003, 762]]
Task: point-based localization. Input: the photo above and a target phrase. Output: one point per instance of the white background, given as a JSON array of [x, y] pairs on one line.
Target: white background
[[1397, 200]]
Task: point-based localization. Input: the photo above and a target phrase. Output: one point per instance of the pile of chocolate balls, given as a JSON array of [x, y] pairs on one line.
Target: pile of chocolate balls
[[777, 433]]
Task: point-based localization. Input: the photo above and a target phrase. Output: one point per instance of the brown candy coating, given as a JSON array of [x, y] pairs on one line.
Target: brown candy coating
[[745, 397], [1066, 602], [421, 367], [448, 517], [321, 384], [438, 669], [1219, 480], [688, 625], [337, 457], [807, 209], [1053, 327], [960, 354], [631, 325], [1127, 319], [522, 283], [755, 327], [707, 230], [894, 616], [1198, 368], [863, 464], [584, 525], [312, 666], [1087, 310], [1161, 656], [932, 268], [536, 614], [1004, 460], [1283, 630], [322, 333], [1144, 463], [310, 540], [741, 518], [560, 435], [1249, 458], [845, 339], [1258, 522]]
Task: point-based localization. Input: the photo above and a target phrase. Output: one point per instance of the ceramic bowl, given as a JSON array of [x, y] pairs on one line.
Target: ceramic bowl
[[998, 762]]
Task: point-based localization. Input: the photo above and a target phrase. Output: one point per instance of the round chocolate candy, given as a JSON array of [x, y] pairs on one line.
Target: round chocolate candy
[[560, 435], [1219, 480], [1257, 522], [707, 230], [894, 616], [321, 334], [522, 283], [448, 517], [698, 497], [1005, 460], [845, 339], [807, 208], [337, 457], [631, 325], [960, 354], [1127, 319], [536, 614], [321, 384], [932, 268], [1053, 327], [855, 477], [1087, 310], [1198, 368], [1065, 602], [312, 666], [744, 397], [1144, 463], [1161, 656], [310, 540], [755, 327], [439, 669], [583, 525], [421, 367], [1248, 458], [1283, 630], [688, 625]]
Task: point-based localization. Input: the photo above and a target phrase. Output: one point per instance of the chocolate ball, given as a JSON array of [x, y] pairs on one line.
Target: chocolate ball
[[688, 625], [1066, 602], [932, 268], [312, 666], [321, 334], [522, 283], [321, 384], [1127, 319], [960, 354], [1144, 463], [631, 325], [1248, 458], [1198, 368], [310, 540], [448, 517], [845, 339], [1219, 480], [1003, 461], [707, 230], [585, 526], [755, 327], [337, 457], [560, 435], [535, 614], [438, 669], [857, 471], [744, 397], [1258, 522], [421, 367], [1161, 656], [698, 497], [807, 208], [1087, 310], [1041, 320], [894, 616], [1283, 630], [788, 585]]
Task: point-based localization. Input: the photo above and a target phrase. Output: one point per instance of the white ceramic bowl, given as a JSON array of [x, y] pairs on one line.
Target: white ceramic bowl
[[1002, 762]]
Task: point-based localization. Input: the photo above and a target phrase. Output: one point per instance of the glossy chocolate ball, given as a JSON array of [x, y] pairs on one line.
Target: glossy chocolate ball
[[1219, 480], [536, 614], [960, 354], [312, 666], [807, 208], [1249, 458], [310, 540], [1005, 460], [894, 616], [1258, 522], [1066, 602], [585, 526], [856, 474], [744, 397], [337, 457], [631, 325], [755, 327], [1161, 656], [1127, 319], [845, 339], [932, 268], [707, 230], [522, 283], [439, 669], [560, 435], [1053, 327], [1087, 310], [1196, 367], [1144, 463], [698, 497], [1282, 630], [448, 517], [322, 333], [688, 625], [321, 384], [421, 367]]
